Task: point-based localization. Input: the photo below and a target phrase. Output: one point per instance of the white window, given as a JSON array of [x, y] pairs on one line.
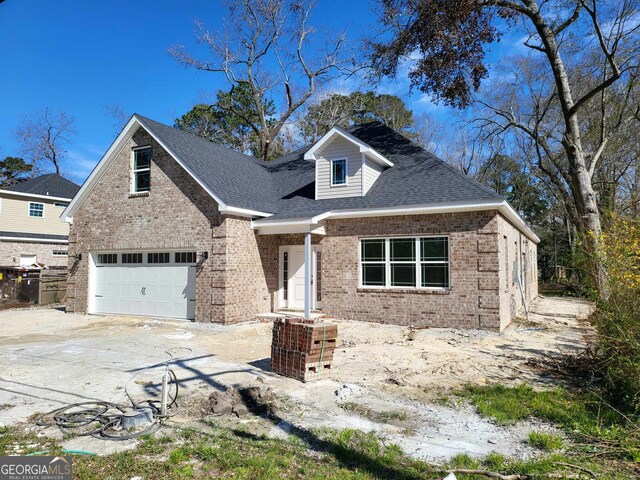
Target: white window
[[405, 262], [141, 169], [36, 209], [60, 253], [338, 172]]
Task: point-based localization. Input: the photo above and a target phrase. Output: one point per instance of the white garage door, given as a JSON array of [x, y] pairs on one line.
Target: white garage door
[[158, 284]]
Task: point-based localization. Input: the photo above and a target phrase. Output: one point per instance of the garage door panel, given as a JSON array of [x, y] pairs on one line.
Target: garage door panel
[[145, 289]]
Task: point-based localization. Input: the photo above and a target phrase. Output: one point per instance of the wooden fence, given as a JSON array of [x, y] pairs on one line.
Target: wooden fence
[[53, 287], [45, 287]]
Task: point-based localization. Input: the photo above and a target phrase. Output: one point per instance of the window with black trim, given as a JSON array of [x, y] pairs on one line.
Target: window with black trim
[[60, 253], [131, 258], [161, 257], [141, 170], [105, 258], [405, 262], [185, 257], [338, 172]]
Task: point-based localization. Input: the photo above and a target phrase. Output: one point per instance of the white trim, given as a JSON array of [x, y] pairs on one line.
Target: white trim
[[244, 212], [315, 248], [97, 172], [34, 195], [29, 209], [133, 180], [346, 172], [34, 240], [337, 131], [115, 148], [502, 206], [417, 262], [363, 190]]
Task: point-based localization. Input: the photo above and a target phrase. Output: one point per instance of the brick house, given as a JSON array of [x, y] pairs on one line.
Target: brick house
[[31, 231], [361, 225]]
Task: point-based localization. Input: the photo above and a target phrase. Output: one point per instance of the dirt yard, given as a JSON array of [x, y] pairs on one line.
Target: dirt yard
[[385, 378]]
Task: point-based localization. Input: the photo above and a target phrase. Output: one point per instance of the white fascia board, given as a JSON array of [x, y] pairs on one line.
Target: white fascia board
[[364, 147], [508, 211], [275, 230], [34, 195], [243, 212], [116, 146], [33, 240], [501, 205]]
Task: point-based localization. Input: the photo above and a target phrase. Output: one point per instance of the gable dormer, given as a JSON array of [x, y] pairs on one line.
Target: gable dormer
[[345, 165]]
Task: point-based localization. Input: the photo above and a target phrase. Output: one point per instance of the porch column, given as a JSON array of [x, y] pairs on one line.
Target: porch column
[[307, 275]]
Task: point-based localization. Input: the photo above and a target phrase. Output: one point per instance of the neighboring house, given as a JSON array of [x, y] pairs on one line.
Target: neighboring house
[[31, 230], [362, 225]]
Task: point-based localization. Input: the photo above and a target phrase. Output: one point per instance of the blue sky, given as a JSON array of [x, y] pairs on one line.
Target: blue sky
[[81, 57]]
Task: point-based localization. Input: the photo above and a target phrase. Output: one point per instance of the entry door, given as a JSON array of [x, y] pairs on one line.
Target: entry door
[[296, 277], [295, 272]]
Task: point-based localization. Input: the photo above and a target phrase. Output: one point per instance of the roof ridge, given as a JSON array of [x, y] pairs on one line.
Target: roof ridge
[[198, 137]]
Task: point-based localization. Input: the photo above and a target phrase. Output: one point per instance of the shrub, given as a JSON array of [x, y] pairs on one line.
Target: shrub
[[618, 316]]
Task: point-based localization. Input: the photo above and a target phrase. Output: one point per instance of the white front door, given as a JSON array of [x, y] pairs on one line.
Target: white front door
[[296, 277], [294, 271]]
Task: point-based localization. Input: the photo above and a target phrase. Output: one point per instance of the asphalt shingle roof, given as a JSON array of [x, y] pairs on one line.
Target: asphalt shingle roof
[[285, 187], [238, 179], [51, 185]]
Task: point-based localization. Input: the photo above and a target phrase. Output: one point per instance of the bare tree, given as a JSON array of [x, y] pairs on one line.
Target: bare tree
[[559, 32], [269, 45], [44, 137], [119, 115]]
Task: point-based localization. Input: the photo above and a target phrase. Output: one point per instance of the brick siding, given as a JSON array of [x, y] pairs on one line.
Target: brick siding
[[240, 279], [10, 253]]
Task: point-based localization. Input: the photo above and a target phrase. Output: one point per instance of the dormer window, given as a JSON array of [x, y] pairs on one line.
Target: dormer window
[[141, 169], [338, 172]]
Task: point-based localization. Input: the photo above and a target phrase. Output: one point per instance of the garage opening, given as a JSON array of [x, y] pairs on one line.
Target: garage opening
[[144, 283]]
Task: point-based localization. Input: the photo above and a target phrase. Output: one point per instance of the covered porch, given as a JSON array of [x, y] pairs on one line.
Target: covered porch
[[298, 269]]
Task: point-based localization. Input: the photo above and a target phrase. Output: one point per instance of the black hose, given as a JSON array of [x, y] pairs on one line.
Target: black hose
[[107, 416]]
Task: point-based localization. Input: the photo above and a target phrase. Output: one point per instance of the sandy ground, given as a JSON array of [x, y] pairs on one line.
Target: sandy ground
[[49, 358]]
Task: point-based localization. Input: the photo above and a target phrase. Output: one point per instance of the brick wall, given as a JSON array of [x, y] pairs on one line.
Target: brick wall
[[10, 253], [473, 300], [514, 246], [176, 214]]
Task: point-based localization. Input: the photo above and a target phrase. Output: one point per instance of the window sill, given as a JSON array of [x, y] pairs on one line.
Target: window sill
[[138, 194], [427, 291]]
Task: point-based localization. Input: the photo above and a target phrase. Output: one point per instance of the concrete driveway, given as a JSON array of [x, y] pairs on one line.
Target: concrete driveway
[[49, 359]]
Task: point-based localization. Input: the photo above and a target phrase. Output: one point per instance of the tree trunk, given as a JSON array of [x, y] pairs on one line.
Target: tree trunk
[[580, 185]]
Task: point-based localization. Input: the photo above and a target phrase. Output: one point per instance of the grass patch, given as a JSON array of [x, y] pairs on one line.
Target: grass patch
[[596, 428], [389, 416], [325, 454], [545, 441]]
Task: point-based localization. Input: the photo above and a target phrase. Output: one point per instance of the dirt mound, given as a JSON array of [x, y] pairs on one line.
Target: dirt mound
[[241, 401]]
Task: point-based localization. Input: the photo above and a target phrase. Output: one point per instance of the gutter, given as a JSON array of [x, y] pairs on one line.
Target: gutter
[[502, 206]]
